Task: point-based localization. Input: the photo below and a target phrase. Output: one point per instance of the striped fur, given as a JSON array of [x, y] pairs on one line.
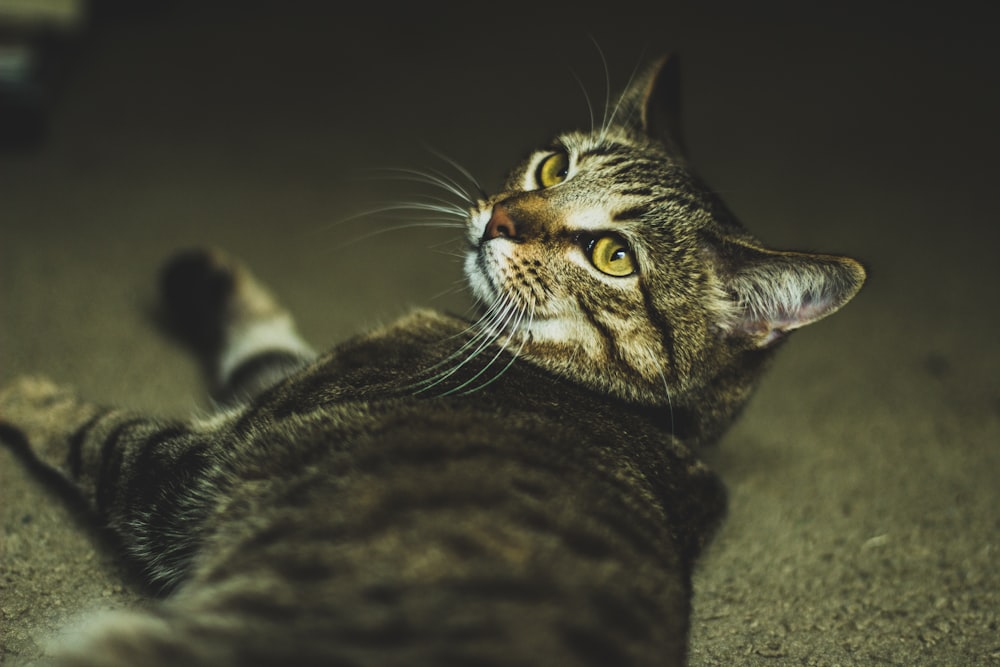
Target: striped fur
[[521, 491]]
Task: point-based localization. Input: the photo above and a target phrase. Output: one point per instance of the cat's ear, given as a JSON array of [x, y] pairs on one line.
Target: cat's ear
[[652, 103], [771, 293]]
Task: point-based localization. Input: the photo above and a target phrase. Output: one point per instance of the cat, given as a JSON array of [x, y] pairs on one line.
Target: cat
[[524, 489]]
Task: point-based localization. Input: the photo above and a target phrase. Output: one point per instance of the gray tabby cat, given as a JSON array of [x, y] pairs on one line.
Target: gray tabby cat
[[521, 490]]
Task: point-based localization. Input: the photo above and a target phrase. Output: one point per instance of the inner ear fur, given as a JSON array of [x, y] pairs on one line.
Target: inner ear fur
[[774, 292]]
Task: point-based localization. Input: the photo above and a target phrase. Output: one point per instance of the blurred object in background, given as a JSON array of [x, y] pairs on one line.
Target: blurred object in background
[[36, 37]]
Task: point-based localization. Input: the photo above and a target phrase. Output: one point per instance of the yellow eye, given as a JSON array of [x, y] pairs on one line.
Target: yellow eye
[[611, 256], [552, 170]]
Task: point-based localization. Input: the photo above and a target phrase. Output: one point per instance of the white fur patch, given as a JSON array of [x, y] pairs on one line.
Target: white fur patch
[[80, 636], [561, 330], [277, 333], [589, 219]]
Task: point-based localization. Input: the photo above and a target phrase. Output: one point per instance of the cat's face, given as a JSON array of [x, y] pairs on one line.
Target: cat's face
[[603, 258]]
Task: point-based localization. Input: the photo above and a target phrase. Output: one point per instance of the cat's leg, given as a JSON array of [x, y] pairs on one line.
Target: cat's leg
[[151, 481], [247, 339]]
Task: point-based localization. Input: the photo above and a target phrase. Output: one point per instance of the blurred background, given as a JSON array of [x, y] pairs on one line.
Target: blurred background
[[864, 524]]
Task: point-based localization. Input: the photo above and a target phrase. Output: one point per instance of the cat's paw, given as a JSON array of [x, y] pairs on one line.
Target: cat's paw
[[40, 414], [28, 396], [195, 286], [206, 293]]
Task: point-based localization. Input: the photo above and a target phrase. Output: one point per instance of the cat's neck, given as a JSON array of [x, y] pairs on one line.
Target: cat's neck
[[429, 341], [696, 414]]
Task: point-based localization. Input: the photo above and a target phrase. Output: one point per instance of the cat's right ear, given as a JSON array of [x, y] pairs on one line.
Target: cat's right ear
[[771, 293], [652, 103]]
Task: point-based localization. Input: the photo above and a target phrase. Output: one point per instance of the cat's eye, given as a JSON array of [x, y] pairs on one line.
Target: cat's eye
[[553, 170], [612, 256]]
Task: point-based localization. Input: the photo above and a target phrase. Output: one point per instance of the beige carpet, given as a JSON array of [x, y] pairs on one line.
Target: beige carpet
[[865, 514]]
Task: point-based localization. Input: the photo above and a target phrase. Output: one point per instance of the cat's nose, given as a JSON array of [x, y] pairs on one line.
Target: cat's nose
[[500, 225]]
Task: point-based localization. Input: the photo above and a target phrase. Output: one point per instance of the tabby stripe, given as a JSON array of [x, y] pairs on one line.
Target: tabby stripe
[[309, 392], [284, 400], [606, 333], [110, 463], [660, 323], [643, 191], [588, 545], [377, 459], [177, 511], [303, 569], [260, 371], [393, 633], [603, 149], [74, 457], [150, 467], [632, 173], [689, 205], [388, 517], [262, 605], [514, 589], [634, 213], [614, 162], [185, 471], [248, 420], [464, 546], [620, 615], [643, 538], [594, 648], [143, 465]]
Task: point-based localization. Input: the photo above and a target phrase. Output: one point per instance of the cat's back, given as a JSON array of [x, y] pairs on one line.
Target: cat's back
[[426, 522]]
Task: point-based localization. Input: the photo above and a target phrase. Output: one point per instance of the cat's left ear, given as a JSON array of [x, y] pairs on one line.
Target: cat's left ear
[[652, 103], [773, 292]]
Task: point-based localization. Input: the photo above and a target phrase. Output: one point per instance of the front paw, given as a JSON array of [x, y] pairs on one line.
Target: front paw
[[196, 286], [44, 414], [208, 295]]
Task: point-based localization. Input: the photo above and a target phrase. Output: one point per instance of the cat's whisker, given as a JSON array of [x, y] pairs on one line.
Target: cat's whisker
[[395, 228], [493, 313], [514, 357], [618, 105], [517, 319], [487, 331], [431, 215], [484, 323], [490, 326], [434, 177], [433, 206], [460, 169], [670, 402], [447, 253], [454, 289], [397, 207], [439, 203], [488, 334], [605, 121], [477, 303], [586, 98]]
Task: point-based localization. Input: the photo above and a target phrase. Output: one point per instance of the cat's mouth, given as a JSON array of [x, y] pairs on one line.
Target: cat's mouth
[[485, 274]]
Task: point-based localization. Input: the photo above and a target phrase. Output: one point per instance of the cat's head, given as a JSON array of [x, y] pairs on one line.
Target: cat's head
[[606, 260]]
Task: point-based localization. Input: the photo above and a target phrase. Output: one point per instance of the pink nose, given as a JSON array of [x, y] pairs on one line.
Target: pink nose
[[500, 224]]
